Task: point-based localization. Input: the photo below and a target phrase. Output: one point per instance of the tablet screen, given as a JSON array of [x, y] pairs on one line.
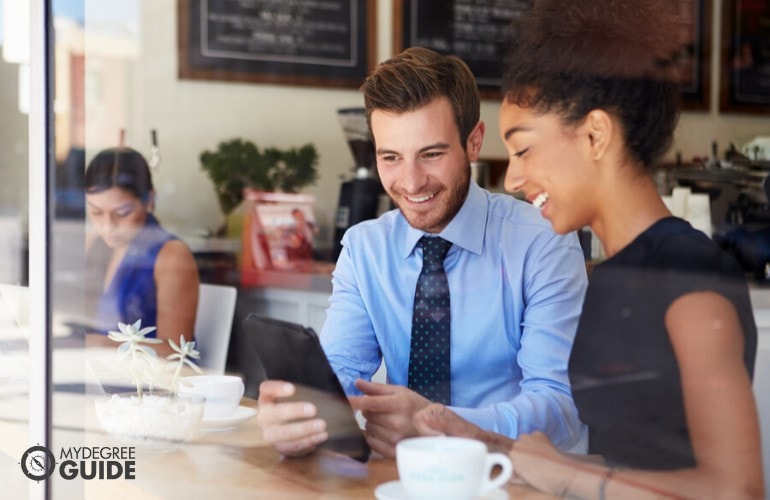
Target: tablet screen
[[292, 352]]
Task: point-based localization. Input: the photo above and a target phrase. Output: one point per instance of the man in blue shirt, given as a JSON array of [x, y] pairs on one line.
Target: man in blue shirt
[[516, 287]]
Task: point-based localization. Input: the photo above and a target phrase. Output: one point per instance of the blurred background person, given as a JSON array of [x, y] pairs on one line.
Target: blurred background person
[[136, 270]]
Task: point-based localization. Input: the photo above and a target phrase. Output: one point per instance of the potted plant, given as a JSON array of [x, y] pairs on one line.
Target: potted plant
[[238, 164], [149, 413]]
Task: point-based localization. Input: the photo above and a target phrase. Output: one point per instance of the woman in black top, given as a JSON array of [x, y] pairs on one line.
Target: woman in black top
[[664, 353]]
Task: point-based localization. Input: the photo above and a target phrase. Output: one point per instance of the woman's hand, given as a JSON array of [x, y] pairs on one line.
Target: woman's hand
[[540, 464]]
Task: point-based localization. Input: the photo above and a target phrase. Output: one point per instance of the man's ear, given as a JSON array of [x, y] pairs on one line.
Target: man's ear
[[600, 129], [150, 201], [475, 140]]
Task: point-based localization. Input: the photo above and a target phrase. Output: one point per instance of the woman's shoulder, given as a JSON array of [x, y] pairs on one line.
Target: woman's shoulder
[[174, 249], [175, 257]]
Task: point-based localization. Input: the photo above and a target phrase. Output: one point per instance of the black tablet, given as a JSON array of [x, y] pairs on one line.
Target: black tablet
[[292, 352]]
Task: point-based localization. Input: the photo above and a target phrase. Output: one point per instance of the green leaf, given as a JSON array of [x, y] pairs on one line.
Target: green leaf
[[237, 164]]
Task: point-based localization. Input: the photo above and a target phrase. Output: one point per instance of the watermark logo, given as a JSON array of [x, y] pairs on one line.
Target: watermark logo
[[38, 463], [98, 462]]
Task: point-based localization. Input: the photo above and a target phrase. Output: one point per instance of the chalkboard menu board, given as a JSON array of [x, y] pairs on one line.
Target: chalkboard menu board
[[477, 31], [474, 30], [299, 42]]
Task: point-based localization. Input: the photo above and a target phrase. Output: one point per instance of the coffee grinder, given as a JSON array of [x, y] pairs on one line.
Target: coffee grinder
[[359, 196]]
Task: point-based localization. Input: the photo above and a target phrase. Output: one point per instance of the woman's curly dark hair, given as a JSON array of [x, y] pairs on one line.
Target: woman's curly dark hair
[[616, 55]]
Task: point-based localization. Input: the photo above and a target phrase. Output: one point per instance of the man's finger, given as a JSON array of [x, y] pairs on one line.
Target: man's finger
[[384, 448], [374, 388], [271, 390], [285, 412], [374, 404]]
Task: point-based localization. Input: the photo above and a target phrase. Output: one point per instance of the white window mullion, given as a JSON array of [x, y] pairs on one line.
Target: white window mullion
[[39, 223]]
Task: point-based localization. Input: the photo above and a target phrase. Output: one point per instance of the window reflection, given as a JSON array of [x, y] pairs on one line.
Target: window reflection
[[14, 293], [115, 83]]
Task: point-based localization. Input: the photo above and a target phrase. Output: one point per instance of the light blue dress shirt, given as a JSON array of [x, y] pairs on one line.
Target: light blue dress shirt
[[516, 290]]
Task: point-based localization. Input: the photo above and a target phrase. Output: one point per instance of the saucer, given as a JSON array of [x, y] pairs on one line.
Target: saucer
[[239, 416], [394, 490]]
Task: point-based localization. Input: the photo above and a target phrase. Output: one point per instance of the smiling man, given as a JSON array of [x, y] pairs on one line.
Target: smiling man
[[489, 332]]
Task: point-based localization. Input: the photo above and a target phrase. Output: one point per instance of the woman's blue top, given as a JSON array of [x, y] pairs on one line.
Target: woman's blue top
[[132, 293]]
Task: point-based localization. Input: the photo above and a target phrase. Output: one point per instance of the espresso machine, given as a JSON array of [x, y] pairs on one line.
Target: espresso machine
[[739, 190], [360, 195]]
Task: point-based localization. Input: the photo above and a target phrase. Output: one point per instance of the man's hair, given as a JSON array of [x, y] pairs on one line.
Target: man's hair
[[620, 56], [417, 76]]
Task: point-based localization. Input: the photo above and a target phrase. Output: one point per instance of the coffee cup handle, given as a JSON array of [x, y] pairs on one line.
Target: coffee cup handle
[[503, 461]]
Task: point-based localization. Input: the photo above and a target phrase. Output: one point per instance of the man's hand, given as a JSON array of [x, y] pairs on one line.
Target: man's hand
[[388, 410], [288, 426], [438, 420]]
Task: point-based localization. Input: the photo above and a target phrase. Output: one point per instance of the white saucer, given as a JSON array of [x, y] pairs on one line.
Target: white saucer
[[239, 416], [394, 490]]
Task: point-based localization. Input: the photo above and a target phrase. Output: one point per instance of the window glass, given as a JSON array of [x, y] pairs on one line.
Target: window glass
[[14, 216]]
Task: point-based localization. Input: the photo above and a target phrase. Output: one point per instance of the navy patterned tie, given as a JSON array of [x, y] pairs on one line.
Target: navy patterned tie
[[429, 354]]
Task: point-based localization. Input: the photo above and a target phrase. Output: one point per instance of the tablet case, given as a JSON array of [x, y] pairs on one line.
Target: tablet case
[[289, 351]]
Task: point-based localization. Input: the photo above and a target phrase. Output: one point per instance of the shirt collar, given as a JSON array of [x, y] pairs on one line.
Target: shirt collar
[[465, 230]]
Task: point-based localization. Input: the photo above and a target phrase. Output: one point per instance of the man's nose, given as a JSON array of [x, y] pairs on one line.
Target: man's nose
[[413, 177]]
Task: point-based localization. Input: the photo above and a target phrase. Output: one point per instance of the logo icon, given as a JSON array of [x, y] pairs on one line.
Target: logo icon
[[38, 463]]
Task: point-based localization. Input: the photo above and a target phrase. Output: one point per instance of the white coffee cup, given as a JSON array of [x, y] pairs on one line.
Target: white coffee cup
[[449, 467], [223, 393]]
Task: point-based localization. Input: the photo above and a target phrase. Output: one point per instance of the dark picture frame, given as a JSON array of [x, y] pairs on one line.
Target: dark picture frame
[[481, 39], [745, 57], [476, 34], [318, 44], [696, 67]]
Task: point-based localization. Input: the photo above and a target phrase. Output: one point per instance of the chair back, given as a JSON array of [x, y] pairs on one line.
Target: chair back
[[14, 305], [213, 323]]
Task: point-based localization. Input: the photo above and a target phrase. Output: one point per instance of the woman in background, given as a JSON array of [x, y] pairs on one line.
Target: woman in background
[[662, 361], [136, 269]]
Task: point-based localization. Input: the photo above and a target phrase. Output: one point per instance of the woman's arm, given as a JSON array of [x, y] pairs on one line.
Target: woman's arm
[[706, 335], [707, 338], [705, 332], [176, 278]]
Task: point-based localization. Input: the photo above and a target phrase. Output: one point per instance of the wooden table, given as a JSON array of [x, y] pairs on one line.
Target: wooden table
[[239, 464], [225, 465]]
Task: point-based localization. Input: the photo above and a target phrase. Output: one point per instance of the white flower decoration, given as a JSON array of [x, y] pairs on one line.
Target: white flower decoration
[[131, 336], [184, 351], [144, 365]]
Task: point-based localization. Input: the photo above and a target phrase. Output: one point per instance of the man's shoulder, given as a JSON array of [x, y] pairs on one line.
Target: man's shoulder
[[507, 210], [377, 229]]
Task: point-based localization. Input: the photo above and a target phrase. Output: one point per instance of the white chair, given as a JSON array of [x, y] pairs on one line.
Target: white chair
[[213, 323], [15, 302]]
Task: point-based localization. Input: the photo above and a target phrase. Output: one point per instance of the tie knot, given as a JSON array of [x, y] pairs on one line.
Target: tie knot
[[434, 249]]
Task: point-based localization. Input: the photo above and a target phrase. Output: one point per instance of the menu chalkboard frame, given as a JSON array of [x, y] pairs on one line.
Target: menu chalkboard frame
[[401, 20], [281, 73], [733, 20], [694, 97]]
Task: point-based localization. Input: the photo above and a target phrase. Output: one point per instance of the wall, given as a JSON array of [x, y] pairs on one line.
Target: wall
[[192, 116], [14, 178]]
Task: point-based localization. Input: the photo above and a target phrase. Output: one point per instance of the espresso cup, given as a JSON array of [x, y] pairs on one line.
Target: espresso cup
[[223, 393], [449, 467]]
